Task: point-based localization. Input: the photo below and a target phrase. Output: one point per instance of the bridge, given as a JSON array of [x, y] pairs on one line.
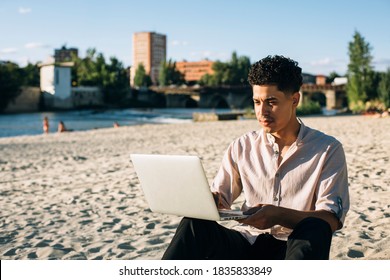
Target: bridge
[[198, 97], [329, 96], [234, 97]]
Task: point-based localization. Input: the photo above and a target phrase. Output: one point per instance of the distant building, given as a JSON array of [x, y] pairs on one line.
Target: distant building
[[308, 78], [65, 55], [320, 80], [340, 81], [87, 97], [55, 83], [193, 71], [149, 49]]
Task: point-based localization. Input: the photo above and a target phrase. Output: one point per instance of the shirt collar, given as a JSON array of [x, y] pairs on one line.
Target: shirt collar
[[301, 133]]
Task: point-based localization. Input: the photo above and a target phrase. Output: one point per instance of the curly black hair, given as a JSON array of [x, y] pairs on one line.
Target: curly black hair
[[276, 70]]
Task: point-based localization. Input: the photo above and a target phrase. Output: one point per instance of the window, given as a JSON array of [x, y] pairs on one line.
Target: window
[[57, 77]]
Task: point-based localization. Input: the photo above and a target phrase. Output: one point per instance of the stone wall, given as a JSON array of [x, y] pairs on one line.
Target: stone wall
[[27, 101]]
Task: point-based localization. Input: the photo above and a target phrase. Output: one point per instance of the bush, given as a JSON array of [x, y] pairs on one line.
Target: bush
[[309, 108], [370, 107], [357, 107], [375, 107]]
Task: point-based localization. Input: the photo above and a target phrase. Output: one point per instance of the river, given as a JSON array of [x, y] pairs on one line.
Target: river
[[31, 123]]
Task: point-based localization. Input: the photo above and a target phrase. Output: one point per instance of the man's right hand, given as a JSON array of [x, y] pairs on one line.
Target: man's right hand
[[218, 200]]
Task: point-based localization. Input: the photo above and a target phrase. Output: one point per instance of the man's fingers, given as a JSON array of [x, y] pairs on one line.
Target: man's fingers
[[217, 199], [253, 210]]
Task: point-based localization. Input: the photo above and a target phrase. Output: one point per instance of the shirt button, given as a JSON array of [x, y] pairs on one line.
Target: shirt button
[[277, 175], [275, 198]]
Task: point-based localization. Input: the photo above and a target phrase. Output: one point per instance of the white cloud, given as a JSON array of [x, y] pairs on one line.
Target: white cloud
[[34, 45], [24, 11], [324, 66], [175, 43], [9, 50], [223, 56], [22, 61], [382, 61], [207, 54], [381, 64], [179, 43], [321, 62]]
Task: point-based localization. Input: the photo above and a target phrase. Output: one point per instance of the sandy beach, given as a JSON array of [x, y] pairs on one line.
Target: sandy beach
[[75, 195]]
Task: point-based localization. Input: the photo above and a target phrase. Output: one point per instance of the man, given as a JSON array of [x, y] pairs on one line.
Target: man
[[294, 180]]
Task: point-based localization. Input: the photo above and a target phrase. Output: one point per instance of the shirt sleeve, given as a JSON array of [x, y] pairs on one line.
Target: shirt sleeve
[[332, 190], [227, 181]]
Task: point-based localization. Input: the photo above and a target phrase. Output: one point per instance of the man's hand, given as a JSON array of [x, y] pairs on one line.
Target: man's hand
[[260, 216], [266, 216], [218, 200]]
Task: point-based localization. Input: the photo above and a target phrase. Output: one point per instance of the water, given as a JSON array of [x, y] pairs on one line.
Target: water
[[31, 123]]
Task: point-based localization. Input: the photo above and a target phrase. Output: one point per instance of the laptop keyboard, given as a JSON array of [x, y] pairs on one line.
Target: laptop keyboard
[[230, 213]]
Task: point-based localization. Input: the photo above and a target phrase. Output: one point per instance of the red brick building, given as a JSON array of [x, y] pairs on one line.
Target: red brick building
[[194, 70]]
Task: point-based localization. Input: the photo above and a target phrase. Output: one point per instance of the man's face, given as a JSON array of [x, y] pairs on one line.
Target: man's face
[[274, 110]]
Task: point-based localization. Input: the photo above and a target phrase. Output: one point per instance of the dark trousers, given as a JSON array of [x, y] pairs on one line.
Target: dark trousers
[[201, 239]]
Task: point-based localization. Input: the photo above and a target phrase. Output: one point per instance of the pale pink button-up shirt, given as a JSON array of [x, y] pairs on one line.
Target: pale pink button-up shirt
[[312, 176]]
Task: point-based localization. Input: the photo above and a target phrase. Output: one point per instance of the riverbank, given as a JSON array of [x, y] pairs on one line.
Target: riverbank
[[76, 195], [80, 120]]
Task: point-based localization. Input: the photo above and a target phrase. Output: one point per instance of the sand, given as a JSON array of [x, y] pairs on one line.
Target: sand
[[75, 195]]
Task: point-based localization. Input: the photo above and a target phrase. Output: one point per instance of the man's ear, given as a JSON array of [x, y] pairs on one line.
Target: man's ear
[[296, 97]]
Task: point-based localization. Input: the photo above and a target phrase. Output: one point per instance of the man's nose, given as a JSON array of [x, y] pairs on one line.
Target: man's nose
[[263, 109]]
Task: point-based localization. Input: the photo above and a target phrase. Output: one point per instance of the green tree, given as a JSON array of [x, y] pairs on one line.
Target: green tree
[[30, 75], [10, 81], [233, 72], [93, 70], [141, 79], [359, 70], [237, 70], [219, 77], [169, 75], [332, 76], [74, 74], [384, 88], [115, 83], [373, 79], [87, 69], [206, 80]]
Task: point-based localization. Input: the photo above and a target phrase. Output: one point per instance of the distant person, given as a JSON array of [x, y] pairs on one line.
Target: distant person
[[46, 125], [61, 127], [116, 124]]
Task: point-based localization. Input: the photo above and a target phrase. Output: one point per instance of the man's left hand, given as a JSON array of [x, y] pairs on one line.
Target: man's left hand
[[261, 216]]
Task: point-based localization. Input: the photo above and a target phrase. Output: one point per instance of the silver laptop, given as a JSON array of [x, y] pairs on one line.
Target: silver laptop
[[178, 185]]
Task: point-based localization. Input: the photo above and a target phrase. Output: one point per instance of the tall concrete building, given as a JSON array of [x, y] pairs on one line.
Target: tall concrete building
[[150, 49]]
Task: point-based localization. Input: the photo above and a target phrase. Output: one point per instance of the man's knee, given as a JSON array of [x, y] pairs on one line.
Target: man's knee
[[313, 225], [311, 239], [196, 226], [196, 222]]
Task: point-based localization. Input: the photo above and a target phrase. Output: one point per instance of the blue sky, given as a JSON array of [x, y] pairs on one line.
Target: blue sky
[[315, 33]]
